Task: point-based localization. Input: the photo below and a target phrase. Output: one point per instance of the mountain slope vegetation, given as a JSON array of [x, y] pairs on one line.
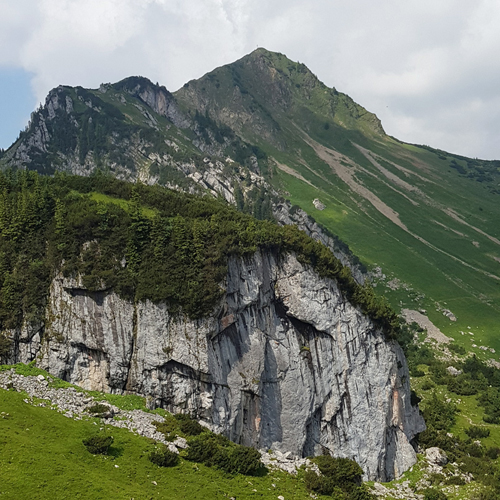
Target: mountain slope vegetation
[[265, 128], [269, 140], [144, 242], [426, 217]]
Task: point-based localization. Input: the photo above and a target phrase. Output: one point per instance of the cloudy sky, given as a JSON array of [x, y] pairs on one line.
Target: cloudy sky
[[429, 69]]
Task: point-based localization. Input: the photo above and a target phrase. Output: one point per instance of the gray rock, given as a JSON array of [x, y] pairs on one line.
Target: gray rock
[[436, 456], [449, 315], [453, 371], [284, 362], [180, 442]]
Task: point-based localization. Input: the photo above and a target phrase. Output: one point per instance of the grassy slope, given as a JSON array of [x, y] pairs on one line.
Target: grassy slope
[[471, 295], [433, 270], [284, 100], [42, 456]]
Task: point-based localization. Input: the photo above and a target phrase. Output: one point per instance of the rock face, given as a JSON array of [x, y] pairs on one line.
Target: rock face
[[436, 456], [157, 98], [285, 362], [286, 214]]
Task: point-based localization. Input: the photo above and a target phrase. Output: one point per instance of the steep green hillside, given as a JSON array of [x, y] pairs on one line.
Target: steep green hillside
[[426, 217], [265, 90], [42, 456]]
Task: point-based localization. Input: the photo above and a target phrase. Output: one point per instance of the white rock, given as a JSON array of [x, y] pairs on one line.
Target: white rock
[[180, 442], [453, 371], [436, 456]]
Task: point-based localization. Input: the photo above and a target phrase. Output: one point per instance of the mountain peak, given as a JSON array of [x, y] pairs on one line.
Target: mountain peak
[[263, 59], [137, 84], [269, 56], [258, 94]]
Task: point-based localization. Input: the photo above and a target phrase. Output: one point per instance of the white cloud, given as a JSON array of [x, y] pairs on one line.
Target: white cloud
[[429, 69]]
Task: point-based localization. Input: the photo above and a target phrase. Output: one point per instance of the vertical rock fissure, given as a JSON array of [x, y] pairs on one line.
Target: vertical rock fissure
[[128, 382]]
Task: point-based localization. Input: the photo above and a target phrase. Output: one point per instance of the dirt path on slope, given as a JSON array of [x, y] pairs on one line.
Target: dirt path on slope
[[387, 173], [291, 171], [455, 216], [345, 173], [345, 169]]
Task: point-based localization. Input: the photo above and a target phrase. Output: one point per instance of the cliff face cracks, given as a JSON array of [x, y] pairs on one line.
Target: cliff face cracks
[[284, 362]]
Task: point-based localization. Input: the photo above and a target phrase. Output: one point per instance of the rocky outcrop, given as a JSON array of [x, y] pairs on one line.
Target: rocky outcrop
[[158, 98], [284, 362], [287, 214], [436, 456]]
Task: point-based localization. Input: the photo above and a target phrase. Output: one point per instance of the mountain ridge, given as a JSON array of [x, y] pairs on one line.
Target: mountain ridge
[[270, 117], [281, 84], [264, 135]]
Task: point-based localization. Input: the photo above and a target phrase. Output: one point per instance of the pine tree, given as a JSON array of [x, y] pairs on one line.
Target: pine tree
[[138, 234], [60, 218]]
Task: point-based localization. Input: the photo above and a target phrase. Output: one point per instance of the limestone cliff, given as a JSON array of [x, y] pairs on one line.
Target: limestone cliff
[[284, 362]]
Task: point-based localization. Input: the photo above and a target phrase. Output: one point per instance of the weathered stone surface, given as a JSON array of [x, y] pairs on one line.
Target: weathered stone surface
[[285, 215], [436, 456], [283, 363], [160, 100], [453, 371]]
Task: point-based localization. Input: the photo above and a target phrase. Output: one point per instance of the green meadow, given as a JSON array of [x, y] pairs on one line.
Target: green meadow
[[448, 257], [42, 456]]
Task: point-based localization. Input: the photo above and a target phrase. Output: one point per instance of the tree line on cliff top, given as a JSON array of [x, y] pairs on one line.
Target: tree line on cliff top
[[144, 242]]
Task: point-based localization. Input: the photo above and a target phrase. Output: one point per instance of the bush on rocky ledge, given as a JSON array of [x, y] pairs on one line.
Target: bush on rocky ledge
[[215, 450], [340, 478]]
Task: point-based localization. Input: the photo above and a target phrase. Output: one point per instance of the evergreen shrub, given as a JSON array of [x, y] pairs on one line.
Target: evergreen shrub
[[98, 408], [432, 494], [476, 432], [163, 457], [169, 425], [187, 425], [457, 349], [340, 478], [244, 460], [215, 450], [98, 444], [493, 452]]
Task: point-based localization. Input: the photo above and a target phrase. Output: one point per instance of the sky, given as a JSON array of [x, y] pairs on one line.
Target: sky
[[430, 70]]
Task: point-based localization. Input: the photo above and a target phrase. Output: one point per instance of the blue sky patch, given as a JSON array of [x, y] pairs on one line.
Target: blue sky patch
[[17, 101]]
